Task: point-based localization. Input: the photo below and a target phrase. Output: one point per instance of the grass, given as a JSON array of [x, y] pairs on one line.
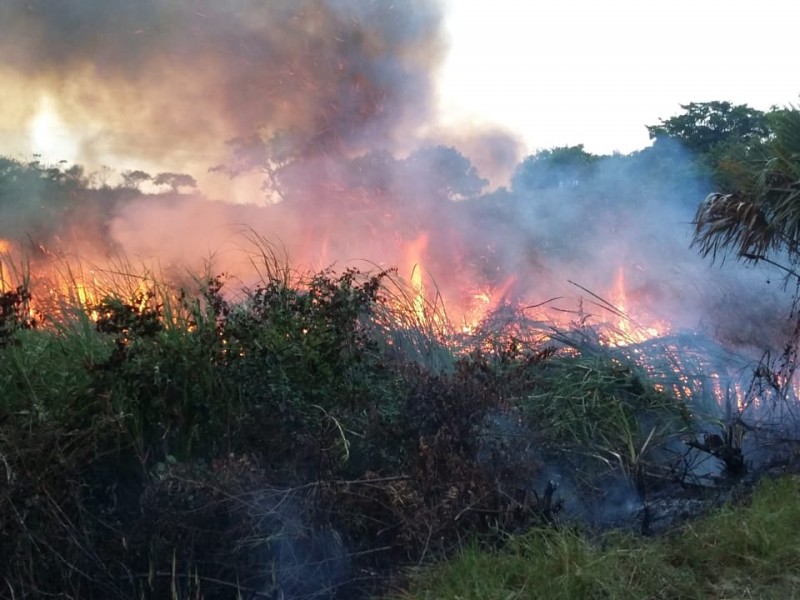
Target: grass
[[746, 551], [143, 424]]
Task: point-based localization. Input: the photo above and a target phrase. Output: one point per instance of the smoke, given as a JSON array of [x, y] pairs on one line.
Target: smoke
[[171, 81], [331, 102]]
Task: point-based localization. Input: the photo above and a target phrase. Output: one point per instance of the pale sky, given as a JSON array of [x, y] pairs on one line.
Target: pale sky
[[564, 72]]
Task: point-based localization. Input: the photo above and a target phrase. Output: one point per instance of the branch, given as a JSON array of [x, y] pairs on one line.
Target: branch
[[757, 257]]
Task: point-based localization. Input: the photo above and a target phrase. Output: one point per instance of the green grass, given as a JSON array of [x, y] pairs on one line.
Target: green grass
[[748, 551]]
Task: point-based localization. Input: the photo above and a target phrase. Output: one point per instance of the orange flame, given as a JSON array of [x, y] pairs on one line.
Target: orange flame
[[627, 330], [414, 253], [485, 302]]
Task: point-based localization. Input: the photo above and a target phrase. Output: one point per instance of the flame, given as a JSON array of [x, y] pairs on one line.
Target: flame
[[414, 253], [484, 302], [57, 286], [626, 329]]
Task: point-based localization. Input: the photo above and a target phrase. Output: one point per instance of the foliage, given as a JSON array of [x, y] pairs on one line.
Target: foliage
[[749, 551], [175, 180], [210, 442], [14, 313], [567, 166], [706, 125], [722, 137], [134, 179], [437, 172], [446, 171], [603, 406], [761, 218], [210, 432], [760, 222], [43, 202]]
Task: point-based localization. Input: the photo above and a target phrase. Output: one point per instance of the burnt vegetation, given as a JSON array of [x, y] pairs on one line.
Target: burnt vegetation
[[313, 434]]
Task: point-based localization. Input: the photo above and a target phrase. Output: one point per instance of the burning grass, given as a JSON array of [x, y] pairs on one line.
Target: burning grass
[[288, 437]]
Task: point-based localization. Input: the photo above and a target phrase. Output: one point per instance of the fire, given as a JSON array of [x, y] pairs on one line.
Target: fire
[[471, 306], [464, 310], [57, 285], [10, 271], [630, 322], [626, 330], [484, 302], [414, 254]]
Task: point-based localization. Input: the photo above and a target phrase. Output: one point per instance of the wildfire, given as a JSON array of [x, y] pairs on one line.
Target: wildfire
[[484, 302], [473, 307], [54, 285], [10, 277], [414, 254], [626, 330]]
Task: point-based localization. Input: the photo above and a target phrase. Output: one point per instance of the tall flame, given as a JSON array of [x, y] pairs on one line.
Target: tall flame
[[414, 255], [630, 328]]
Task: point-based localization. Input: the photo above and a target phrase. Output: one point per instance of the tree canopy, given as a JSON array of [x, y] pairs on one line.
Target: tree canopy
[[705, 125], [175, 180], [564, 166]]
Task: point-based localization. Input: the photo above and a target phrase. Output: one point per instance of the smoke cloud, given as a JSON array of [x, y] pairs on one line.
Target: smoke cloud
[[330, 102], [172, 80]]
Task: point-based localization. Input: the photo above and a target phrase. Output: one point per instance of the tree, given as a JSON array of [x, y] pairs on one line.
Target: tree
[[175, 181], [761, 222], [270, 153], [720, 136], [134, 179], [444, 170], [565, 166], [704, 126], [762, 217]]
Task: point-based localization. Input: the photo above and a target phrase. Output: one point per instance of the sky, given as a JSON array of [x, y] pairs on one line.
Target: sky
[[565, 72]]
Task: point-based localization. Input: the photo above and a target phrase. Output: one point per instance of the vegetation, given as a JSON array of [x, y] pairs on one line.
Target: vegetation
[[178, 442], [759, 221], [740, 551]]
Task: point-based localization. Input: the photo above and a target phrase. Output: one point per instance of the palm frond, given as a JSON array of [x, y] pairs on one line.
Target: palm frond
[[765, 217], [729, 222]]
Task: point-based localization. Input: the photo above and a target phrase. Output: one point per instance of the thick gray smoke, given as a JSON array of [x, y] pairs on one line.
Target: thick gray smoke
[[175, 79]]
